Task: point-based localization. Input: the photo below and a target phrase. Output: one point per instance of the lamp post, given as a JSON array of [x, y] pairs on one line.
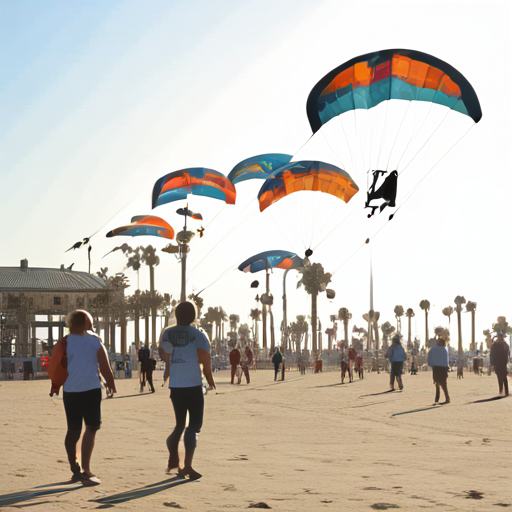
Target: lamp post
[[183, 238]]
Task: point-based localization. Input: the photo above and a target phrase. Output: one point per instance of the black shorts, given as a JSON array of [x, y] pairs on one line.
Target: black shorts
[[84, 405], [439, 373]]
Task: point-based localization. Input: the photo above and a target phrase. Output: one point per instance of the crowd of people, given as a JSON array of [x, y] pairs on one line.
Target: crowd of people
[[80, 363]]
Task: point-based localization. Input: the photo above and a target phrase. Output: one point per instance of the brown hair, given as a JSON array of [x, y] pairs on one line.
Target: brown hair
[[77, 321], [186, 313]]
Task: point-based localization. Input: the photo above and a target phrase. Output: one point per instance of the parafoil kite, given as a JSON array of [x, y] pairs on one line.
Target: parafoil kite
[[144, 225], [306, 175], [198, 180], [271, 259], [379, 111], [258, 167]]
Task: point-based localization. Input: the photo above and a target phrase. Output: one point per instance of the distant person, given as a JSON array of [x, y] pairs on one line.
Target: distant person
[[186, 348], [318, 365], [247, 362], [343, 367], [396, 355], [499, 359], [438, 359], [277, 359], [234, 361], [476, 366], [351, 362], [359, 366], [86, 359], [147, 366]]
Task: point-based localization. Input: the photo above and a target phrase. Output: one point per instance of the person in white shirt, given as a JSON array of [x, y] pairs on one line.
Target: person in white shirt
[[82, 391], [439, 361], [186, 348]]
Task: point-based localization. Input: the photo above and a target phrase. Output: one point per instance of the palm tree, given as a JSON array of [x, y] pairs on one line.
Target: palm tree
[[233, 322], [198, 301], [409, 314], [425, 306], [459, 301], [299, 330], [255, 317], [471, 308], [135, 302], [344, 315], [502, 326], [387, 331], [244, 331], [330, 334], [314, 280], [448, 311], [150, 258], [399, 312]]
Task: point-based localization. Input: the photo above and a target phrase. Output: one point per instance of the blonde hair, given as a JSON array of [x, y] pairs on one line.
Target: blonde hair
[[77, 320]]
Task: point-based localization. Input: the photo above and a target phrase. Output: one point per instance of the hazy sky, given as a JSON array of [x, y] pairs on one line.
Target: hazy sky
[[99, 99]]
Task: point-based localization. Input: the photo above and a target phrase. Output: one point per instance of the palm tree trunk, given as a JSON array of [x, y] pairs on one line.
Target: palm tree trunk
[[106, 330], [137, 329], [123, 336], [314, 322], [153, 309], [473, 331], [146, 325], [264, 327], [272, 337], [345, 328], [426, 329], [459, 325]]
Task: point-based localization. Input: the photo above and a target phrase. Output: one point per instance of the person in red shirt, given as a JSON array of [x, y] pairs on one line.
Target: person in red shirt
[[359, 366], [247, 362], [234, 360]]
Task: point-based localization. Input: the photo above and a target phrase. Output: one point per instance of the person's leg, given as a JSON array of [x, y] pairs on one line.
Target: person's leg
[[195, 405], [92, 420], [246, 373], [179, 404], [391, 378], [74, 421], [399, 375], [276, 371], [438, 393], [233, 373], [444, 385], [149, 376]]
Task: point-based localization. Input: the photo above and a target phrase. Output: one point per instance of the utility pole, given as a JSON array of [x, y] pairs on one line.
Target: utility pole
[[183, 238]]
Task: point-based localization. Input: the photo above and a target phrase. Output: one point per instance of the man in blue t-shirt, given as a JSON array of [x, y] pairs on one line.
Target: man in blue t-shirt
[[186, 348]]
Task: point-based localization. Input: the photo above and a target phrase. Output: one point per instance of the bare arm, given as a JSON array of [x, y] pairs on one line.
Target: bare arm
[[105, 369], [204, 358], [164, 356]]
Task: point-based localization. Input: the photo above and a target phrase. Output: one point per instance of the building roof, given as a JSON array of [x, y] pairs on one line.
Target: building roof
[[18, 279]]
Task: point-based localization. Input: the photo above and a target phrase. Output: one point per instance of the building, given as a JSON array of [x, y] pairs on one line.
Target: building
[[27, 293]]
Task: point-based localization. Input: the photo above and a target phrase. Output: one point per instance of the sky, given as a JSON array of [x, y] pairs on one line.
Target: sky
[[99, 99]]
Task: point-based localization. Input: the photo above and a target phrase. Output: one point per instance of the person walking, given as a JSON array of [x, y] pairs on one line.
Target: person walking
[[247, 362], [86, 359], [499, 358], [277, 359], [234, 361], [438, 360], [351, 362], [186, 348], [396, 355]]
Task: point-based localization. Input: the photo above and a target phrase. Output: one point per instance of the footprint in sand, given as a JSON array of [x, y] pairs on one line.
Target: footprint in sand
[[486, 440], [230, 487], [239, 457], [384, 506], [258, 505], [172, 504]]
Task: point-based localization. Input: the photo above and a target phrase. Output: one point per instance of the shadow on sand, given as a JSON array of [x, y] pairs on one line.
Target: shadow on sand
[[381, 393], [128, 396], [39, 492], [141, 492], [487, 400], [417, 410]]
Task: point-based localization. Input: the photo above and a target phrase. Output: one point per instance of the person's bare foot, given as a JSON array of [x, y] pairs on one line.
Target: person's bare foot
[[192, 474], [88, 479], [174, 462]]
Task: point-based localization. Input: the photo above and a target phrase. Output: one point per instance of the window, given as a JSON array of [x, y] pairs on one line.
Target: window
[[80, 302], [57, 301]]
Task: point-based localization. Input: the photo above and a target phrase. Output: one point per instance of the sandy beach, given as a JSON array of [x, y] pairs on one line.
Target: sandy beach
[[305, 444]]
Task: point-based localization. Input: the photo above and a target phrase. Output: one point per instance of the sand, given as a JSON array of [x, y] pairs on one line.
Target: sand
[[305, 444]]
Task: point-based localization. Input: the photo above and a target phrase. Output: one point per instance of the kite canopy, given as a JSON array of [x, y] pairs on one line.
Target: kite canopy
[[258, 167], [367, 80], [271, 259], [306, 175], [144, 225], [198, 180]]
